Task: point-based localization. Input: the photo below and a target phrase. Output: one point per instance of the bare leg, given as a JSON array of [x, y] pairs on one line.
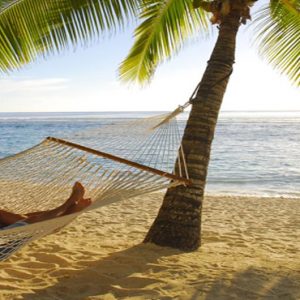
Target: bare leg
[[78, 206], [76, 196], [77, 193], [8, 218], [74, 203]]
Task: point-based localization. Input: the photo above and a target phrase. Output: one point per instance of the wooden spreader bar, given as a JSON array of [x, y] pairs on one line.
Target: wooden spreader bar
[[120, 160]]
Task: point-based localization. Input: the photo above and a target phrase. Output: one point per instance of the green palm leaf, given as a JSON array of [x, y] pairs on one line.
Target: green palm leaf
[[277, 28], [166, 25], [33, 28]]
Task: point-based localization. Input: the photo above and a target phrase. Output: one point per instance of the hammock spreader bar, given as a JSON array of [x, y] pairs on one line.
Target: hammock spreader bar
[[136, 165]]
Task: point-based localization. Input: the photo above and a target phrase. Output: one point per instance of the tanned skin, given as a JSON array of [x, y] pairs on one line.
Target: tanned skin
[[76, 202]]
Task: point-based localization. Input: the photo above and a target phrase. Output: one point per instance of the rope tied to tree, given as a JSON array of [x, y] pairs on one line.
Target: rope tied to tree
[[193, 95]]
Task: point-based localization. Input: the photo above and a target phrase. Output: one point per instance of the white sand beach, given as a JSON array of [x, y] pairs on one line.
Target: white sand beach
[[250, 250]]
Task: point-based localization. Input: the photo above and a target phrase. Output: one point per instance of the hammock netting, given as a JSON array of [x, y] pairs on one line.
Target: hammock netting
[[115, 162]]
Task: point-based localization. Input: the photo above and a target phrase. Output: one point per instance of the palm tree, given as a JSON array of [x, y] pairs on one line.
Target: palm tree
[[165, 27], [30, 29]]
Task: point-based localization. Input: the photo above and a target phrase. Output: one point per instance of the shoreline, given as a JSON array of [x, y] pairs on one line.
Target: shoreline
[[245, 195], [250, 251]]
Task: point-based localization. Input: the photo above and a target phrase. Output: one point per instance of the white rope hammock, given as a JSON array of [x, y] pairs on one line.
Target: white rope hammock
[[113, 163]]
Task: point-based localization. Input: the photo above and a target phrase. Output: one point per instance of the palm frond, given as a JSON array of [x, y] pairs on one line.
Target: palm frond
[[37, 28], [165, 27], [277, 30]]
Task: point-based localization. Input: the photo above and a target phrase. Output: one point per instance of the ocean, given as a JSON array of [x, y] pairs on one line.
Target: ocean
[[254, 153]]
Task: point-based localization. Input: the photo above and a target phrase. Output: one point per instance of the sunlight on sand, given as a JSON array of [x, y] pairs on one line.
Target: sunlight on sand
[[250, 251]]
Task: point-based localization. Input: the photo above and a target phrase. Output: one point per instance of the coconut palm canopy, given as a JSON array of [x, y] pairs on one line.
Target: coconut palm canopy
[[34, 28], [30, 29]]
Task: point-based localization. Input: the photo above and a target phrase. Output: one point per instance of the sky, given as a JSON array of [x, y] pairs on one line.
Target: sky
[[87, 80]]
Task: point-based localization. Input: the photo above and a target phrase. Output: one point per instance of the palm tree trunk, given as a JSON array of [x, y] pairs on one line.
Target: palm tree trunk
[[178, 223]]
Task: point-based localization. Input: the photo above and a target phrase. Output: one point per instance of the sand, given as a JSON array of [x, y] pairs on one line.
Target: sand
[[251, 250]]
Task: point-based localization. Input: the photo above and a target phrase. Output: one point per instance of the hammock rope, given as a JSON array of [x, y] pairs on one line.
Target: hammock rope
[[115, 162], [120, 160]]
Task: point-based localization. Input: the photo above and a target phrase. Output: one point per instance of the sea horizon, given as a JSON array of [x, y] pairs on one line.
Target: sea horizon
[[118, 111], [253, 153]]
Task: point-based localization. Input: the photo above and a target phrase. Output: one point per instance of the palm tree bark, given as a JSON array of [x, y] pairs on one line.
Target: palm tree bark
[[178, 223]]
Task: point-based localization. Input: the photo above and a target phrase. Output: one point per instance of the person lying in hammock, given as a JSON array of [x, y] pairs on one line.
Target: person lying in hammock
[[74, 203]]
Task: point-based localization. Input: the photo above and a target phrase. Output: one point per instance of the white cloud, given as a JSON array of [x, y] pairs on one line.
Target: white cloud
[[19, 86]]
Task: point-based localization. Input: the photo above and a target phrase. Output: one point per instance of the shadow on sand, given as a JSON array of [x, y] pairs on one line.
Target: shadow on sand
[[112, 274], [118, 275], [253, 284]]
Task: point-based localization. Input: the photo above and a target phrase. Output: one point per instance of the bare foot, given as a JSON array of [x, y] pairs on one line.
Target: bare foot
[[76, 195], [79, 205]]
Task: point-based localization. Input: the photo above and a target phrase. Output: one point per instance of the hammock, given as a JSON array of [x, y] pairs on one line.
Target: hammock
[[113, 163]]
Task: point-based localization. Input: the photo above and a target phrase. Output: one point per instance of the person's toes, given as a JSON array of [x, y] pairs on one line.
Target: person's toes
[[78, 189], [78, 185], [88, 201], [83, 203]]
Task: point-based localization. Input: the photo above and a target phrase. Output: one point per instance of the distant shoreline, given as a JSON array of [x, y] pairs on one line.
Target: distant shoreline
[[141, 111], [254, 154]]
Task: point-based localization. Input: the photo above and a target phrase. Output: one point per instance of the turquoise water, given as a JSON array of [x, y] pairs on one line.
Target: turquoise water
[[253, 153]]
